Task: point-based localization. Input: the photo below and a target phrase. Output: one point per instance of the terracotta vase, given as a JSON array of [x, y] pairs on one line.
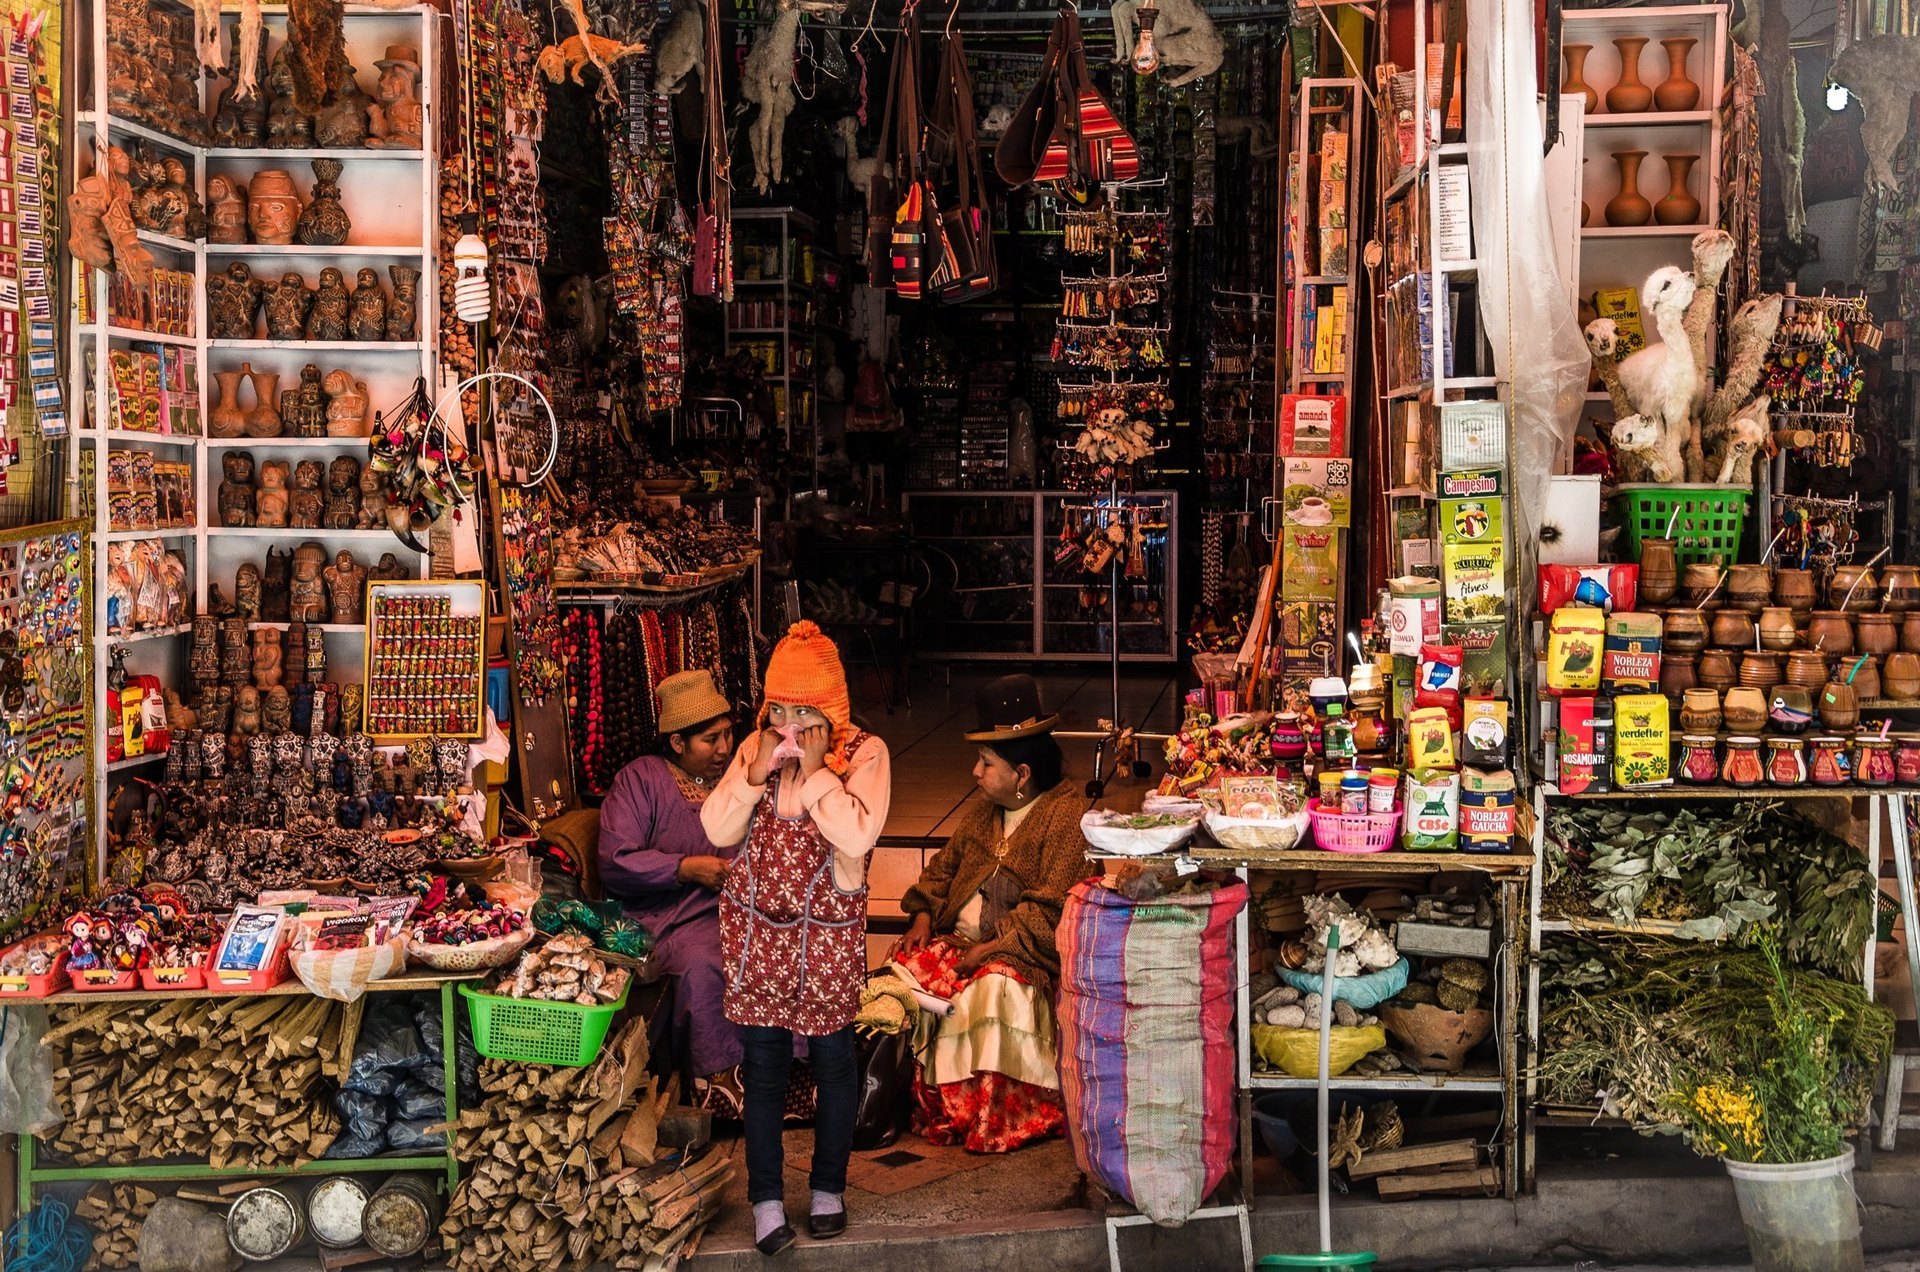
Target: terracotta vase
[[1901, 586], [1685, 631], [264, 419], [227, 418], [273, 206], [1716, 670], [1700, 711], [1794, 589], [1900, 676], [1776, 628], [1629, 96], [1910, 632], [1629, 207], [1659, 571], [1760, 670], [1731, 629], [1831, 632], [1678, 206], [1853, 587], [1876, 633], [1678, 92], [1749, 587], [1807, 668], [1838, 705], [1677, 675], [1576, 80]]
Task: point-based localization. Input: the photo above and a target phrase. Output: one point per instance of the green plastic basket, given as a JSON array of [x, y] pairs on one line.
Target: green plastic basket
[[534, 1031], [1711, 523]]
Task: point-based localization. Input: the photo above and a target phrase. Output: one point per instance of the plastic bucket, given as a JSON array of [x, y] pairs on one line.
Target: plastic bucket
[[1801, 1216]]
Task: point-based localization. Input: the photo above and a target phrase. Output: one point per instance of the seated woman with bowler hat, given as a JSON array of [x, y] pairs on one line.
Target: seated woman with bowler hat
[[982, 936]]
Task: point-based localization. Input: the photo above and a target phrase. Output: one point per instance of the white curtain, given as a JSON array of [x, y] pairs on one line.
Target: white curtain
[[1527, 309]]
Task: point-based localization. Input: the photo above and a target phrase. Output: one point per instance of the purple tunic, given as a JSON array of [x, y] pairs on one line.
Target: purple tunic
[[647, 827]]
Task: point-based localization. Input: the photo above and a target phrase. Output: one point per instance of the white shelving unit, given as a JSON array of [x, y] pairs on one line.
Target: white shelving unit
[[392, 198]]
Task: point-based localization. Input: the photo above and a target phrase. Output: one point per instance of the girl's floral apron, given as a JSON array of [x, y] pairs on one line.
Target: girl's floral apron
[[795, 944]]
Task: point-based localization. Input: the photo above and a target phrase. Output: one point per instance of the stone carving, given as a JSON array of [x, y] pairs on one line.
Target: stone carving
[[307, 502], [236, 490]]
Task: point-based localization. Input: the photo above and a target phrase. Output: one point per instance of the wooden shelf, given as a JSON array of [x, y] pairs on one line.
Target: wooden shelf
[[270, 443], [149, 633], [130, 536], [251, 250], [1643, 231], [309, 532], [156, 239], [263, 154], [322, 346], [148, 337], [136, 435], [1477, 1079], [1651, 119]]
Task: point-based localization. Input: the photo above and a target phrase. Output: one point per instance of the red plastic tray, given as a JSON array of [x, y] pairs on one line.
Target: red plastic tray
[[101, 980], [277, 971], [189, 977], [37, 986]]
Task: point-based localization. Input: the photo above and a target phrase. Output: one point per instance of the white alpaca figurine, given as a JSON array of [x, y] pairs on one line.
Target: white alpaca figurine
[[1183, 33], [682, 51], [766, 80], [1660, 379], [860, 171]]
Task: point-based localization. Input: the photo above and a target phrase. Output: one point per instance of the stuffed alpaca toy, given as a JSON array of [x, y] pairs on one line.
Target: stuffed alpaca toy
[[1712, 252], [1660, 379], [1881, 71], [1749, 336], [682, 51]]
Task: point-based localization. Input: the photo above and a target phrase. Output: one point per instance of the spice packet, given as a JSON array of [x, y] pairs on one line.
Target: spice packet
[[1605, 587], [1432, 811], [1642, 742], [1486, 810], [1483, 732], [1582, 760]]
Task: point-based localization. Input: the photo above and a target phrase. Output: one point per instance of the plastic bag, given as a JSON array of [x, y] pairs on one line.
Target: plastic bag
[[1364, 992], [414, 1100], [27, 1103], [415, 1137], [363, 1125], [343, 975], [1297, 1051], [886, 1089], [389, 1047]]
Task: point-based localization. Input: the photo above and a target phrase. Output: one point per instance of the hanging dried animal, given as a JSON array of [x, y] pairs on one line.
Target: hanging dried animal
[[317, 40], [860, 168], [682, 51], [1179, 31], [1881, 72], [766, 80], [570, 58]]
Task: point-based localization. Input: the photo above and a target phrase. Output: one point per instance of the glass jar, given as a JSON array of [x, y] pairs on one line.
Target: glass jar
[[1827, 761], [1786, 762], [1873, 759], [1906, 759], [1699, 759], [1742, 765]]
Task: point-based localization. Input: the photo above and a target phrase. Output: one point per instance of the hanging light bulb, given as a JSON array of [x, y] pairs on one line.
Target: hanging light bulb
[[472, 293], [1146, 58]]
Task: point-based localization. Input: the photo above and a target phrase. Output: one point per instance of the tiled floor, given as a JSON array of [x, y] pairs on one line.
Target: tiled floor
[[933, 762]]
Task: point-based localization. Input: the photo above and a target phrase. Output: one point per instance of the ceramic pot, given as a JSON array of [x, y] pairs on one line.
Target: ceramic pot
[[1831, 632], [1629, 207], [273, 206], [1678, 206], [1716, 670], [1910, 632], [1900, 676], [1435, 1039], [1807, 668], [1659, 572], [1629, 96], [1853, 587], [1700, 711], [1839, 708], [264, 419], [1678, 92], [1700, 585], [1749, 587], [1731, 629], [1576, 80], [1900, 584], [1864, 672], [227, 418], [1794, 589], [1876, 633], [1685, 631], [1678, 675], [325, 222], [1760, 670], [1745, 710], [1776, 628]]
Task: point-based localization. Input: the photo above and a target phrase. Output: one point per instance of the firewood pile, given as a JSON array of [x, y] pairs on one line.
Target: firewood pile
[[115, 1213], [231, 1082], [566, 1168]]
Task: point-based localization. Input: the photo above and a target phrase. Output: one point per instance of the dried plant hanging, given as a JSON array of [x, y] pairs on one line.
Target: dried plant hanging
[[317, 40]]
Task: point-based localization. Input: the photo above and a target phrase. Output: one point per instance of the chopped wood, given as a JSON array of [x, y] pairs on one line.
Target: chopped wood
[[1446, 1155], [115, 1212], [1480, 1181]]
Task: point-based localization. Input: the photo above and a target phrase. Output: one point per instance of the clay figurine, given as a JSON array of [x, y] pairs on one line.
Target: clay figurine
[[324, 222], [353, 700], [232, 299], [273, 206], [226, 209], [388, 567], [347, 586], [373, 500], [236, 489], [307, 503], [343, 503], [395, 120], [103, 234], [327, 318], [274, 585], [194, 224], [368, 316], [87, 210], [288, 127], [287, 303], [276, 712], [271, 504], [266, 657], [246, 712], [403, 311], [240, 118], [307, 593], [347, 403], [303, 408], [246, 590], [342, 123]]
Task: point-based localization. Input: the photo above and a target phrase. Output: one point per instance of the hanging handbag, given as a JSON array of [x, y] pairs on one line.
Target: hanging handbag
[[712, 271], [966, 269], [1089, 145], [912, 227], [1024, 143]]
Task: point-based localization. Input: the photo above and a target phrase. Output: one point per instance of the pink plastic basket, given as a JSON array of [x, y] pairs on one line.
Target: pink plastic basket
[[1353, 832]]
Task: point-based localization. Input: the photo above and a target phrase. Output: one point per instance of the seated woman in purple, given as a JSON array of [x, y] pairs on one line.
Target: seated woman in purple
[[657, 862]]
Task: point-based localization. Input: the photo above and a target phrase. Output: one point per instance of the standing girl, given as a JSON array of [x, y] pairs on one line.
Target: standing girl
[[808, 794]]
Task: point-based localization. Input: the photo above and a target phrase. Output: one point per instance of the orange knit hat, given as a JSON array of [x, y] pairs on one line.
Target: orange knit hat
[[805, 671]]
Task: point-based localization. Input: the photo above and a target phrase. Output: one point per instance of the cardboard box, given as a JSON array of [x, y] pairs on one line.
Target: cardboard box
[[1313, 424]]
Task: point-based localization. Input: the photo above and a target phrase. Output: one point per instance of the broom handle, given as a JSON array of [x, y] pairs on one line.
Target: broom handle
[[1326, 1047]]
